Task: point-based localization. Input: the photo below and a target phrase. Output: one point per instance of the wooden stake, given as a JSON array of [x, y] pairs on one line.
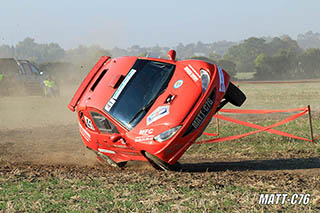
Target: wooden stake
[[217, 122], [310, 122]]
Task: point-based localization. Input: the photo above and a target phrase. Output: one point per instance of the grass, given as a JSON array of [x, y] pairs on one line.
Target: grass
[[150, 192], [27, 189], [244, 75], [281, 96], [261, 145], [266, 145]]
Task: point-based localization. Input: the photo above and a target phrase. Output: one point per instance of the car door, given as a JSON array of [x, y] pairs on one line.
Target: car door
[[110, 139]]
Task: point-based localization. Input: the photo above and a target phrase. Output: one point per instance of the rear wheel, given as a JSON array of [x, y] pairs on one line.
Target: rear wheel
[[160, 164], [105, 159], [234, 95]]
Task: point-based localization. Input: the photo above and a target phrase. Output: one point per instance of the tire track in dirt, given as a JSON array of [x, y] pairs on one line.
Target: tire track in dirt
[[44, 145]]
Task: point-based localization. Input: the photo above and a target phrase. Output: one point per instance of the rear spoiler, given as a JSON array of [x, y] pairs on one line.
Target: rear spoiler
[[83, 86]]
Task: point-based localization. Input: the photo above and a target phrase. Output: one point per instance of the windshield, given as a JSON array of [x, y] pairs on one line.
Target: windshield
[[134, 97], [26, 68]]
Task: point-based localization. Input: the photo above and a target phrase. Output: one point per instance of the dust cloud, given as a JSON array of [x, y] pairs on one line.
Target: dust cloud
[[41, 130]]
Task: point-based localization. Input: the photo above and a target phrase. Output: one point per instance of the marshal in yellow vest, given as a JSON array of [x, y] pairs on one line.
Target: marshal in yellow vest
[[49, 83]]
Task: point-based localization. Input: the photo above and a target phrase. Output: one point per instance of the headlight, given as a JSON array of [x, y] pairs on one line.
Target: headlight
[[167, 134], [205, 79]]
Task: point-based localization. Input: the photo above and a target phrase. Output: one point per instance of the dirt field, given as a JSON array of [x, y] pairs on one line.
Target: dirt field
[[39, 140]]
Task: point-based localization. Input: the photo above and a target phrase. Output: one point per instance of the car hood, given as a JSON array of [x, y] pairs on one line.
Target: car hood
[[173, 106]]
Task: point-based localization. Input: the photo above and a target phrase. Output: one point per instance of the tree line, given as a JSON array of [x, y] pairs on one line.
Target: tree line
[[268, 58]]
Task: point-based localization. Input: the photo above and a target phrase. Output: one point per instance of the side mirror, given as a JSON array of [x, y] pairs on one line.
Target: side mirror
[[115, 137], [172, 55]]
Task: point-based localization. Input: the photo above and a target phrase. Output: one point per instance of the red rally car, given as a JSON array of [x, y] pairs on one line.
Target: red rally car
[[149, 109]]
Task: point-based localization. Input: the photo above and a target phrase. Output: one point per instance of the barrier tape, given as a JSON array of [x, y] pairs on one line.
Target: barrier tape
[[279, 82], [260, 111], [210, 134], [269, 129]]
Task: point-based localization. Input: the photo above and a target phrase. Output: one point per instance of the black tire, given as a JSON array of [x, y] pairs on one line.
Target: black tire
[[105, 159], [160, 164], [122, 164], [234, 95]]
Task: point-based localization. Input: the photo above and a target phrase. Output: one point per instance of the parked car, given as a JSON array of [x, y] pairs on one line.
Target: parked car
[[149, 109], [20, 77]]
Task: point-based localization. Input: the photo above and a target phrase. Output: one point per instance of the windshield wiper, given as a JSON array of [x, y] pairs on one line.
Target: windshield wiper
[[143, 109], [146, 107]]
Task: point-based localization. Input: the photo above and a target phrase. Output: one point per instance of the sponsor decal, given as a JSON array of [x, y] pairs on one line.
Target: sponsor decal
[[89, 123], [222, 87], [144, 138], [160, 112], [146, 135], [116, 94], [192, 73], [106, 151], [84, 133], [178, 84], [145, 131]]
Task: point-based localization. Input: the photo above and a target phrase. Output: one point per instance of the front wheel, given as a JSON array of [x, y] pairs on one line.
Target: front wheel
[[160, 164], [234, 95]]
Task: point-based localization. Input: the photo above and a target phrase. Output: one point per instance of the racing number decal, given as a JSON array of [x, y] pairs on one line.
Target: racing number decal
[[89, 123]]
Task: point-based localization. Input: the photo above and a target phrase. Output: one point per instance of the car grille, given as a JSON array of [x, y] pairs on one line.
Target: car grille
[[202, 114]]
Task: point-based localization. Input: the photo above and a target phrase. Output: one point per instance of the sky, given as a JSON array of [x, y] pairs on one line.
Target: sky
[[148, 23]]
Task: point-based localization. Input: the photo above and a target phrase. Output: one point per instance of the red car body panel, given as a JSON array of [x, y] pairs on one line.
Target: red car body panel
[[183, 110], [86, 82]]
